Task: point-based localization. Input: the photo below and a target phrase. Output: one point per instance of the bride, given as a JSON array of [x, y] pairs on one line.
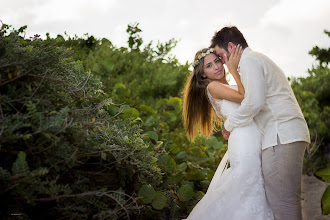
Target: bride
[[237, 192]]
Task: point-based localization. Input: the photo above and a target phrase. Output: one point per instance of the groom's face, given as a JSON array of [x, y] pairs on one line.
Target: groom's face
[[221, 52]]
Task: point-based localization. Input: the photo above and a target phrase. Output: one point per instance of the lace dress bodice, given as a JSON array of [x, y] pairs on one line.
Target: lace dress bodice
[[223, 108]]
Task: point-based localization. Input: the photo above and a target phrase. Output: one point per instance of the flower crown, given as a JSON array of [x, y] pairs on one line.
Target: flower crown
[[202, 55]]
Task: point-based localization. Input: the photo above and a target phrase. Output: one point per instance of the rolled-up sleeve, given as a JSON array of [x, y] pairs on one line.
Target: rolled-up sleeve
[[253, 80]]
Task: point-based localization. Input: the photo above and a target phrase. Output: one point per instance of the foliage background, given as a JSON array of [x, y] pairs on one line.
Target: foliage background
[[92, 131]]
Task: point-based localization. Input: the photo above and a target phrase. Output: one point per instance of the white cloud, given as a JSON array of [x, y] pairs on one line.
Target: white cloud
[[290, 29], [285, 30], [297, 11]]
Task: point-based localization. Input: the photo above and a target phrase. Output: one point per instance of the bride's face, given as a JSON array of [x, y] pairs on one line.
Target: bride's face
[[213, 68]]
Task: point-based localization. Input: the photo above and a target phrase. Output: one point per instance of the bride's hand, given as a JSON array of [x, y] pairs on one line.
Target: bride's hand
[[232, 63]]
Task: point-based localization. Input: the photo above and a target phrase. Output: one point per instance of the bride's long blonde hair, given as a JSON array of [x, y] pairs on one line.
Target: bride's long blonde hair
[[198, 115]]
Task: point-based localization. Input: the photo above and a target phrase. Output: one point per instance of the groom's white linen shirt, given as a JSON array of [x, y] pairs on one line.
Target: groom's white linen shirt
[[269, 100]]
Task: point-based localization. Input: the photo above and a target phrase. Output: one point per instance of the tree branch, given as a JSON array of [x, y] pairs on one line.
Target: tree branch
[[2, 120], [39, 76], [91, 193], [50, 78], [13, 79]]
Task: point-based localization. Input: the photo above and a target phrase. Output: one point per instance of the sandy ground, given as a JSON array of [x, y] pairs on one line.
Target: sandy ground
[[312, 191]]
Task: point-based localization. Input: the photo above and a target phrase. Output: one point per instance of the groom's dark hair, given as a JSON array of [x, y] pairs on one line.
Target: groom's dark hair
[[226, 35]]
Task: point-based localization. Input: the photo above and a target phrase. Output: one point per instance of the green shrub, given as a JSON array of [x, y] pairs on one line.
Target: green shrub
[[63, 154]]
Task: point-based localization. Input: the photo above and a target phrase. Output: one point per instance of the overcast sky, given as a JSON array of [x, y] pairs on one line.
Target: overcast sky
[[284, 30]]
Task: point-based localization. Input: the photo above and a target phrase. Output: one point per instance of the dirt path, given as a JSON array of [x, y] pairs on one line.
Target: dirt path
[[312, 191]]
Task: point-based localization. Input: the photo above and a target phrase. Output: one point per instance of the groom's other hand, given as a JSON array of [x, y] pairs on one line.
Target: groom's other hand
[[225, 134]]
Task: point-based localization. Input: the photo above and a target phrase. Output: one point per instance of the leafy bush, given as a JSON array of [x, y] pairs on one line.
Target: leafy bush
[[63, 154], [313, 95]]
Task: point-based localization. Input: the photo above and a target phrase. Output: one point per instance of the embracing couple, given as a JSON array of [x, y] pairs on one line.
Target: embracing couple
[[266, 131]]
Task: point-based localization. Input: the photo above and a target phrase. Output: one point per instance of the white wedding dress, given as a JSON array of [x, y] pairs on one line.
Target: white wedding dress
[[238, 192]]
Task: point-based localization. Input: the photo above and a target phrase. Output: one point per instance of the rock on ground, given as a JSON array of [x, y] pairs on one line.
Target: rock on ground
[[312, 191]]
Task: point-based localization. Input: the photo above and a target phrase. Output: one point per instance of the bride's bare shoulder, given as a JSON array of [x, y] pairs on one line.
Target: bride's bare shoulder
[[215, 85], [216, 89]]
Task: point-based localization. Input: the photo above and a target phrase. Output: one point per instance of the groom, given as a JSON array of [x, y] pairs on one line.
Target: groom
[[269, 100]]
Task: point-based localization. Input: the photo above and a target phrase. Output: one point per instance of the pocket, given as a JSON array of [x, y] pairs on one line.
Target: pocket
[[269, 166]]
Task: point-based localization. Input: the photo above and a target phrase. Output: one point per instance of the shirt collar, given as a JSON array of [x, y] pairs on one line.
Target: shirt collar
[[245, 52]]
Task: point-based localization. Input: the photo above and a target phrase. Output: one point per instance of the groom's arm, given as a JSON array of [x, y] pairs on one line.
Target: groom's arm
[[252, 75]]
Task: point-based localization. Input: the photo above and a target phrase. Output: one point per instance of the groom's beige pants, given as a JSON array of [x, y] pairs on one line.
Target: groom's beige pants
[[282, 170]]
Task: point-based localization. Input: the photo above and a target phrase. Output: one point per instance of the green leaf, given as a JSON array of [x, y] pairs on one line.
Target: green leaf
[[182, 155], [145, 108], [152, 135], [147, 193], [20, 167], [326, 201], [4, 175], [39, 172], [205, 184], [170, 182], [199, 195], [159, 201], [112, 109], [120, 90], [197, 159], [152, 121], [176, 103], [182, 167], [137, 120], [53, 112], [123, 108], [166, 163], [131, 113], [324, 174], [174, 149], [197, 151], [108, 66], [185, 193], [191, 184], [96, 68], [196, 174]]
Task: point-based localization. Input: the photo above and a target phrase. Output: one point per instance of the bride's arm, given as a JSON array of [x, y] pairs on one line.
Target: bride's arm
[[232, 65], [220, 91]]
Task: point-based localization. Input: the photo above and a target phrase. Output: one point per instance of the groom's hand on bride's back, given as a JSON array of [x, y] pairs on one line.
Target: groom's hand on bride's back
[[225, 134]]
